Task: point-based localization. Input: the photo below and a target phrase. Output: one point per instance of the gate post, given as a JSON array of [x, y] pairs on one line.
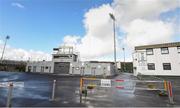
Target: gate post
[[81, 86], [10, 89], [165, 85], [170, 94]]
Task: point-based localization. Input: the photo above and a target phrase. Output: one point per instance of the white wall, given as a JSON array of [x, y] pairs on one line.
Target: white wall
[[39, 66], [173, 57], [89, 68]]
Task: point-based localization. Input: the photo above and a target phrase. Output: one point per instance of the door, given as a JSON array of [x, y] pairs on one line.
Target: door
[[93, 71], [29, 68], [61, 67]]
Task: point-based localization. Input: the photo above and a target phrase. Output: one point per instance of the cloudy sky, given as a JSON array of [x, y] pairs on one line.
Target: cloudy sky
[[37, 26]]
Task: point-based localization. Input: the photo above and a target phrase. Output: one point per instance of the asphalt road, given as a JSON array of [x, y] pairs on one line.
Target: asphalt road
[[37, 92]]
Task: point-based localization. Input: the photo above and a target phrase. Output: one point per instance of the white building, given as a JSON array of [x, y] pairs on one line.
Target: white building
[[158, 59], [92, 68], [66, 61]]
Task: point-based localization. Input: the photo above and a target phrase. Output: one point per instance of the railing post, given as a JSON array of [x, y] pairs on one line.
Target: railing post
[[10, 89], [53, 91]]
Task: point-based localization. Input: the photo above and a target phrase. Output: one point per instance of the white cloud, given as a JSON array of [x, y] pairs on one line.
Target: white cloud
[[21, 54], [99, 36], [16, 4], [142, 32], [139, 20], [129, 10], [71, 40]]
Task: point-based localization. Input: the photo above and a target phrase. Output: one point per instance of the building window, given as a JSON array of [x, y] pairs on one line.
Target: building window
[[142, 57], [151, 66], [164, 50], [178, 48], [167, 66], [149, 51]]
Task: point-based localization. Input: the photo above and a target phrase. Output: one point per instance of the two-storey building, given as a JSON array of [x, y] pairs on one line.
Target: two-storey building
[[157, 59]]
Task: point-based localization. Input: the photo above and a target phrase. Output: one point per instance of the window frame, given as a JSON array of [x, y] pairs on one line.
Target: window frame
[[148, 64], [166, 65], [164, 48], [150, 49]]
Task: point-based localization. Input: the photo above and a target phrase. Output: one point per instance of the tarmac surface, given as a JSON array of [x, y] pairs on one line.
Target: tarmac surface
[[37, 92]]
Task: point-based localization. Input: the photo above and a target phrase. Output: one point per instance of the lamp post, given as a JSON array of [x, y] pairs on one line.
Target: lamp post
[[113, 18], [7, 37], [124, 59]]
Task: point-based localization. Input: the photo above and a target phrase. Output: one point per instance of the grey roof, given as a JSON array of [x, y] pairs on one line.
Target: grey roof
[[173, 44]]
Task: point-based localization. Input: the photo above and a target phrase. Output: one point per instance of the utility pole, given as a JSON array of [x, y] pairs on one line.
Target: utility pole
[[113, 18], [7, 37]]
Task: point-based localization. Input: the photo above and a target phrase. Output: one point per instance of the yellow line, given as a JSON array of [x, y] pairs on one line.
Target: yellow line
[[165, 85]]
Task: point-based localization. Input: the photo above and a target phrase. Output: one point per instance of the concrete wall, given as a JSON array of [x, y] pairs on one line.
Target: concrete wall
[[76, 68], [173, 57], [43, 66]]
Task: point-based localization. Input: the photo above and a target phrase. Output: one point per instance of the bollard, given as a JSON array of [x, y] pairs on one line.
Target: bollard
[[10, 89], [170, 94], [53, 91]]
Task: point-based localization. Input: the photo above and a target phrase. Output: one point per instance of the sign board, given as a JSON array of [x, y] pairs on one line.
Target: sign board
[[15, 84], [105, 83]]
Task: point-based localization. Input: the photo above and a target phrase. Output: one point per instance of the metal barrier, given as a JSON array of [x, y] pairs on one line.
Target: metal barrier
[[121, 84]]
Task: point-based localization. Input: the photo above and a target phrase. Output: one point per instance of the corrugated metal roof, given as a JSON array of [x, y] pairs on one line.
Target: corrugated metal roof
[[173, 44]]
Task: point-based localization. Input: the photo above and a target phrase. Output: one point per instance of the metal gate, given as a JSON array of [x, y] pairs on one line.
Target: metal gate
[[61, 67], [95, 86]]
